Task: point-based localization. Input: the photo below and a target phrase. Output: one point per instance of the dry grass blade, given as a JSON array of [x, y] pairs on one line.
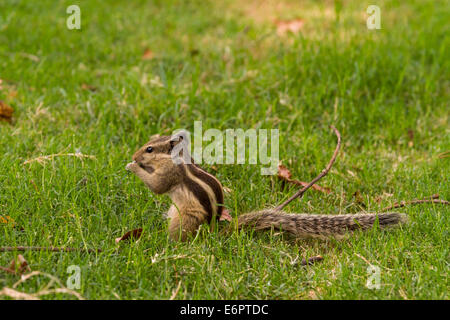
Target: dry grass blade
[[175, 292], [44, 159], [46, 290], [17, 294], [59, 290], [52, 249]]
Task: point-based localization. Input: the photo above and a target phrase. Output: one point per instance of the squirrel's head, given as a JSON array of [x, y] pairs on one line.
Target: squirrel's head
[[156, 155], [156, 152]]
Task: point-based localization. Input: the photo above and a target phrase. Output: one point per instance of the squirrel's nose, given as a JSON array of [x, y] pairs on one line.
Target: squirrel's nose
[[137, 157]]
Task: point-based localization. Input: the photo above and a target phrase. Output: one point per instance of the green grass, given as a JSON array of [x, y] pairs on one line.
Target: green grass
[[223, 63]]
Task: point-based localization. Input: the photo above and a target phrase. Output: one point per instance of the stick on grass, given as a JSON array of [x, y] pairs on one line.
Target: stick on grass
[[300, 193], [418, 201], [52, 249]]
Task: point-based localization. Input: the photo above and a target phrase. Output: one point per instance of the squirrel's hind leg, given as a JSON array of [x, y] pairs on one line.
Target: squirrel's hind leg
[[182, 226]]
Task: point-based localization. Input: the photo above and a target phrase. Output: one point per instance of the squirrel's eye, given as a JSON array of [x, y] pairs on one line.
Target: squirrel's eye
[[149, 149]]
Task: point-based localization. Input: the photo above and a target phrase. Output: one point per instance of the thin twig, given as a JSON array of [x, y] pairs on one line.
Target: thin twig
[[413, 202], [300, 193], [53, 249]]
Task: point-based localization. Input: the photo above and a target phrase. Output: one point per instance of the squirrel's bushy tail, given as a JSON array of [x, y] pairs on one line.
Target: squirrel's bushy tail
[[315, 225]]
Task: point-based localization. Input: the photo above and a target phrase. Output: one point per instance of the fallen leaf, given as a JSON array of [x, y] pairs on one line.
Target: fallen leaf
[[89, 87], [194, 52], [385, 195], [314, 186], [225, 216], [284, 26], [135, 234], [410, 134], [22, 266], [148, 54], [5, 111], [12, 94], [7, 220], [312, 295], [311, 260], [359, 198], [285, 174]]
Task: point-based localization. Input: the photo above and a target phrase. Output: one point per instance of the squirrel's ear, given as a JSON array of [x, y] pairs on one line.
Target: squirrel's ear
[[176, 139]]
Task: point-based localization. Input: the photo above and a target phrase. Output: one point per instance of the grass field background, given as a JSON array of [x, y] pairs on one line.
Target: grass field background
[[223, 63]]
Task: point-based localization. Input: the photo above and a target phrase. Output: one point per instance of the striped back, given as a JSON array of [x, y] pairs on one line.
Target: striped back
[[206, 188]]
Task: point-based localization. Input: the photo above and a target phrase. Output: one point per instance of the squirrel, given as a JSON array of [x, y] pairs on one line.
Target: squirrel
[[198, 198]]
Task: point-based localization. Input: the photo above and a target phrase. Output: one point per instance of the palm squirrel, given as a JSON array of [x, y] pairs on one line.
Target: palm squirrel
[[198, 198]]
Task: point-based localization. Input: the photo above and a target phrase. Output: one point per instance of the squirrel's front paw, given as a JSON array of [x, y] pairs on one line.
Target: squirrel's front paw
[[130, 166]]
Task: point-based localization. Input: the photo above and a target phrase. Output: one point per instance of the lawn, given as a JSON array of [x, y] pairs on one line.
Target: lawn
[[139, 68]]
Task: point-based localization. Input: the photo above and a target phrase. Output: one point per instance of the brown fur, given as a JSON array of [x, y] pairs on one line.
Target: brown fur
[[315, 225], [198, 198]]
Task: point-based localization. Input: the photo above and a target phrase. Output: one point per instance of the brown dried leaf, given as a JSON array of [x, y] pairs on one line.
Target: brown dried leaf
[[89, 87], [148, 54], [411, 134], [6, 111], [311, 260], [312, 294], [23, 266], [284, 26], [314, 186], [359, 199], [133, 234], [285, 174], [7, 220], [225, 216], [385, 195]]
